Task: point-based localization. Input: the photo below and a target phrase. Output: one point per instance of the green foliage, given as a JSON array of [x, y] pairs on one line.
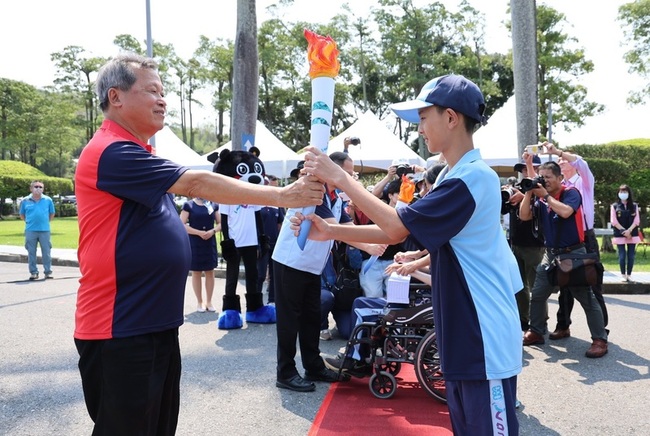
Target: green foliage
[[614, 164], [15, 178], [636, 28], [559, 69]]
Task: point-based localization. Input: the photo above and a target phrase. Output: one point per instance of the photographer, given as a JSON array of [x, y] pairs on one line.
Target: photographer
[[526, 240], [350, 140], [560, 210], [577, 174], [396, 170]]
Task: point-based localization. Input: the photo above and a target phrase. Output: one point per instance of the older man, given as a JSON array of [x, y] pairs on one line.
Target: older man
[[134, 253]]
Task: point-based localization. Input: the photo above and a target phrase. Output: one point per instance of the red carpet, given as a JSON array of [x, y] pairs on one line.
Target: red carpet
[[350, 407]]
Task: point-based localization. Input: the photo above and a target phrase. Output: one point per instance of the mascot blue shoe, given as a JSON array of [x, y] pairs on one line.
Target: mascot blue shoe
[[230, 317], [257, 312]]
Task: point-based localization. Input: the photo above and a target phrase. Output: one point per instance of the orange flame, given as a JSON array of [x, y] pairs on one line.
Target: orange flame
[[322, 55]]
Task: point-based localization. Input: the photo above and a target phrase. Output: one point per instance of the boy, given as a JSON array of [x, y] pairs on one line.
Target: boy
[[474, 274]]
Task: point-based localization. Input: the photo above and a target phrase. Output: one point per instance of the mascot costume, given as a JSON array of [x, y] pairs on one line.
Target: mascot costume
[[243, 238]]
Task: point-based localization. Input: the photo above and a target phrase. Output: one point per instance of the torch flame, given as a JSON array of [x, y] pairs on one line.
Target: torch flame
[[322, 55]]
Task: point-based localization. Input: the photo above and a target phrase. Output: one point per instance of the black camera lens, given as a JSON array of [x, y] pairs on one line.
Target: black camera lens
[[355, 141], [404, 169]]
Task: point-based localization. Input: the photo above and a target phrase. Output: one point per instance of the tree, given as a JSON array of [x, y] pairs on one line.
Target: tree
[[418, 44], [215, 60], [636, 26], [559, 70], [73, 77], [245, 77]]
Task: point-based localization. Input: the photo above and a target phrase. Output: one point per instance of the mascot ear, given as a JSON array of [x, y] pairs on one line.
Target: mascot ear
[[213, 157], [254, 151], [224, 154]]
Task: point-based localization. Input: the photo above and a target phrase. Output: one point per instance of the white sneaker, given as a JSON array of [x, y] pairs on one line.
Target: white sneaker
[[325, 335], [200, 308]]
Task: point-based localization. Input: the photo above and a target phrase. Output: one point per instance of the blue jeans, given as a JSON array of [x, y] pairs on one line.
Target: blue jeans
[[631, 252], [31, 240], [375, 280]]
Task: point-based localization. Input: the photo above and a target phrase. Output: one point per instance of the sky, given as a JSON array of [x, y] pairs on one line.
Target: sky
[[32, 30]]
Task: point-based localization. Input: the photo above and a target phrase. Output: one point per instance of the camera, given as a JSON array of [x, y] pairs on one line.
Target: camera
[[523, 186], [528, 184], [403, 169], [355, 140]]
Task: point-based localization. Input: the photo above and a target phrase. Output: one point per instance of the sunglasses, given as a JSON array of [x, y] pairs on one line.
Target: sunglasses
[[38, 187]]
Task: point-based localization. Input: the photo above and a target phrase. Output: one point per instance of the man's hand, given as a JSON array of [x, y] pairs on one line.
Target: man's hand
[[375, 249], [516, 197], [319, 228], [406, 256], [306, 191], [321, 166]]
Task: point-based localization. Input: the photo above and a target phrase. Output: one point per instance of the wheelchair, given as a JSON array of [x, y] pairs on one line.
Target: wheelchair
[[402, 334]]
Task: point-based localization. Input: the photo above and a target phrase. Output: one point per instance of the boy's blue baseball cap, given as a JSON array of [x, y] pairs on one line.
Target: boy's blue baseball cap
[[452, 91]]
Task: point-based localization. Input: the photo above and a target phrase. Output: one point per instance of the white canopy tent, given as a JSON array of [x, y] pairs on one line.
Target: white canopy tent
[[497, 140], [169, 146], [278, 159], [378, 147]]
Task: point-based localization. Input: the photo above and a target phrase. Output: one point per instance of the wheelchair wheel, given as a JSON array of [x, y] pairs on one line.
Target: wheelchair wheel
[[391, 367], [383, 385], [427, 367]]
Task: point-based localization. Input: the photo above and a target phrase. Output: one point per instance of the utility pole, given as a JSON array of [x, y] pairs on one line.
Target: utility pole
[[524, 55]]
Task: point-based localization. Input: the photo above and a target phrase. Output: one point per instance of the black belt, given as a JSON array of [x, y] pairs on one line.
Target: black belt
[[567, 249]]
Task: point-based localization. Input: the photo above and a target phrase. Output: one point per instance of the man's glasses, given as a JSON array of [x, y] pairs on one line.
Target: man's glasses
[[38, 187]]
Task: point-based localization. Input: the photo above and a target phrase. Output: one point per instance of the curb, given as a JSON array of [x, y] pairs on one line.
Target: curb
[[622, 288]]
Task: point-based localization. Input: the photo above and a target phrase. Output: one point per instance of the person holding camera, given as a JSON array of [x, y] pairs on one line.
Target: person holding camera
[[525, 241], [348, 141], [560, 211], [577, 174]]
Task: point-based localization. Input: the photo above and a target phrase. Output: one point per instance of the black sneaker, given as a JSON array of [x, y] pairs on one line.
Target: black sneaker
[[349, 366], [324, 375], [33, 276]]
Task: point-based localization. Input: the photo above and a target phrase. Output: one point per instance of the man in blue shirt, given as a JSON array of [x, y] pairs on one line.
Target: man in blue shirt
[[560, 212], [474, 273], [37, 210]]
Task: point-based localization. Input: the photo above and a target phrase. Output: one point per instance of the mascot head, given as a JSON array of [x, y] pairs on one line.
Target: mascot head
[[241, 165]]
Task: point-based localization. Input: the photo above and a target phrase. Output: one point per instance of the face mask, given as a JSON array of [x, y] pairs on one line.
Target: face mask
[[623, 195]]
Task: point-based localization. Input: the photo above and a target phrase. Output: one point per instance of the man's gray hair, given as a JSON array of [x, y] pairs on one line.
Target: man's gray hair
[[119, 73]]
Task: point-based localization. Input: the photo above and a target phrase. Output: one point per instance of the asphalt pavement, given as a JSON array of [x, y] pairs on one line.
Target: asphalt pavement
[[228, 382]]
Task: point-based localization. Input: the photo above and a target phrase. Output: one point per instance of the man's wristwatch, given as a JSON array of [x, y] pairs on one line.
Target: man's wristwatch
[[546, 197]]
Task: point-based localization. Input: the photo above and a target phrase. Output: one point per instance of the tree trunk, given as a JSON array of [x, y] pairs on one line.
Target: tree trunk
[[524, 55], [245, 80]]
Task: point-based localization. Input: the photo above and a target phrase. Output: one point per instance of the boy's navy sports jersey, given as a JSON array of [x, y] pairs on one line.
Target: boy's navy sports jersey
[[134, 252], [473, 271]]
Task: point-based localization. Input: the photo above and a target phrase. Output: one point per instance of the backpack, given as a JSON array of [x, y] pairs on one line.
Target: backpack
[[347, 286]]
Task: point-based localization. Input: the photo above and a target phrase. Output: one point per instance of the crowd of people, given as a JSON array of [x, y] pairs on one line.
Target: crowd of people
[[439, 225]]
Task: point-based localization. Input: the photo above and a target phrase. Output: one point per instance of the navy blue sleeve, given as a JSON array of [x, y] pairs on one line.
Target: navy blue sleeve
[[128, 171], [572, 198], [439, 216]]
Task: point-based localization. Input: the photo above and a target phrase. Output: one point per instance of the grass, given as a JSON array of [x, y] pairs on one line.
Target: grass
[[65, 234]]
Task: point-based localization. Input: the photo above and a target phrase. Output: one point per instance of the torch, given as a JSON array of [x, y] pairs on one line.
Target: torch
[[324, 66]]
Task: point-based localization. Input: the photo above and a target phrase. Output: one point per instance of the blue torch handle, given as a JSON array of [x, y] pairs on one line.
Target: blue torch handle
[[369, 263], [305, 226]]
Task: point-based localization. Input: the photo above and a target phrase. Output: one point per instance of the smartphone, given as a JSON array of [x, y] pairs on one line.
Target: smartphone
[[343, 196], [534, 149]]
